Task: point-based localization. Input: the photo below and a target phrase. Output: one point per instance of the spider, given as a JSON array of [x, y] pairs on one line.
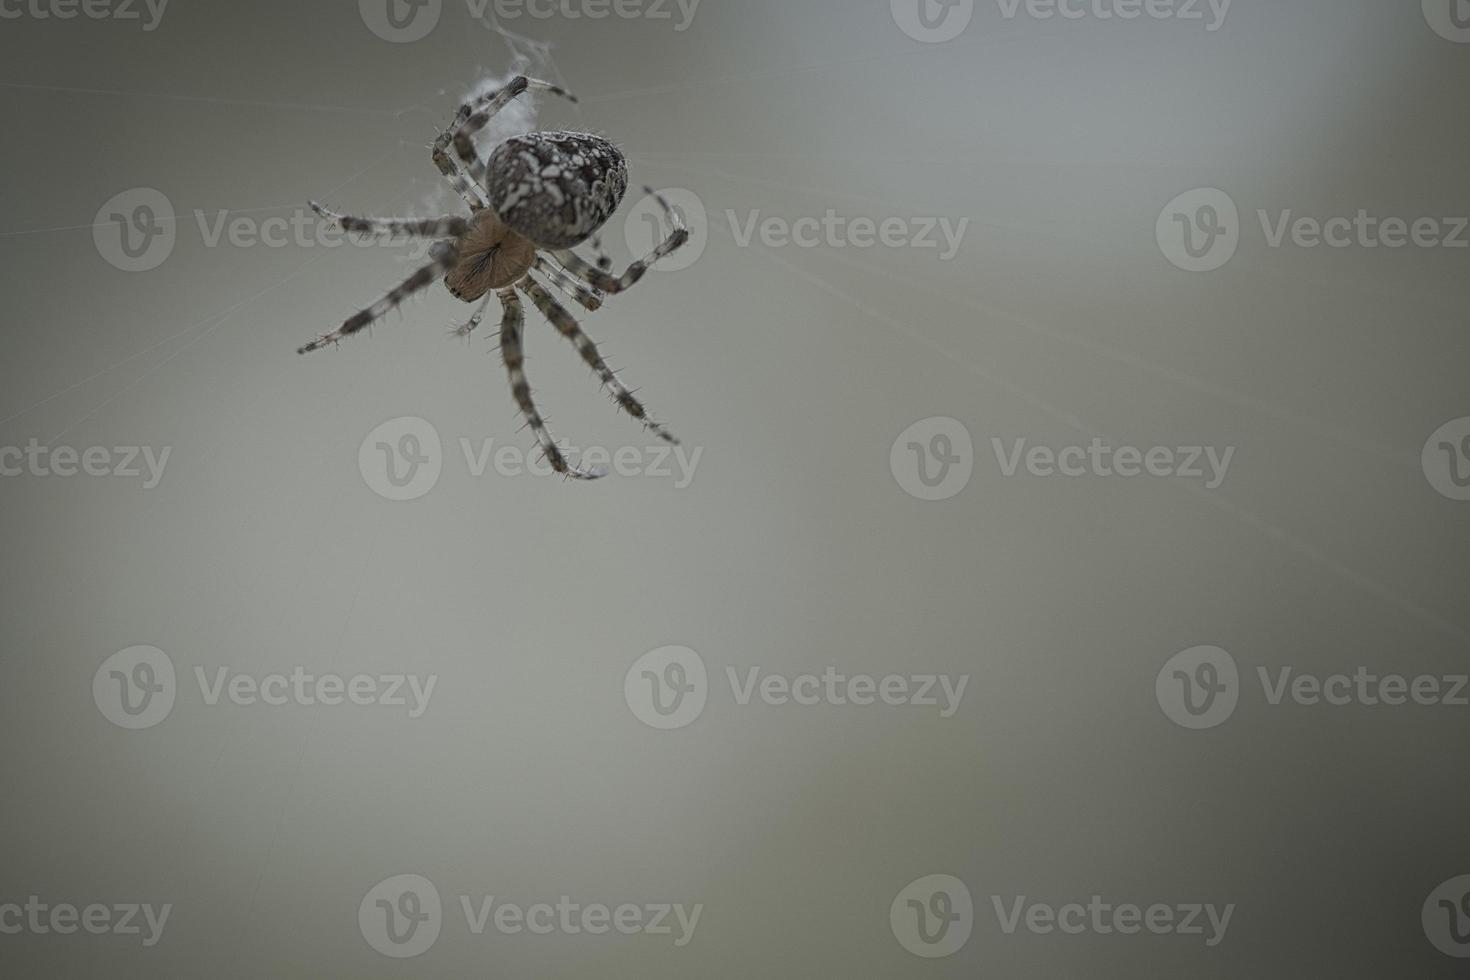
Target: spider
[[534, 199]]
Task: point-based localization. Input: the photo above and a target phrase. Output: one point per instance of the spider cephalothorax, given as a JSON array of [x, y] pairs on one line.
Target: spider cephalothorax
[[491, 256], [536, 198]]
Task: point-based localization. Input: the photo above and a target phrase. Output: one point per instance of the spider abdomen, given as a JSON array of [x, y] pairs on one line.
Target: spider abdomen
[[556, 189]]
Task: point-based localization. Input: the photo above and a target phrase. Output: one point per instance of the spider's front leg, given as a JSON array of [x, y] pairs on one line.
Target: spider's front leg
[[599, 279], [449, 226], [511, 352], [444, 255], [469, 120]]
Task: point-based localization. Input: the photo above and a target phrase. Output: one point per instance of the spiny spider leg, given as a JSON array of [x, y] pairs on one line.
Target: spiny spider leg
[[567, 326], [510, 351], [444, 256], [588, 298], [610, 284], [465, 329], [466, 188], [448, 226], [473, 116]]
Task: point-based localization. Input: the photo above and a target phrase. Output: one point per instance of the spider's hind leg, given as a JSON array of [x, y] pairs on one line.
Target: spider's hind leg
[[568, 327], [515, 365]]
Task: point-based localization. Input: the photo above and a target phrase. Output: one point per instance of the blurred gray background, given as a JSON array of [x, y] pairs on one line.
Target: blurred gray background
[[796, 546]]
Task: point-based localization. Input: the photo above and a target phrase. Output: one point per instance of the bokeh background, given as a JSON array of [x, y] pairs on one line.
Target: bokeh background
[[797, 544]]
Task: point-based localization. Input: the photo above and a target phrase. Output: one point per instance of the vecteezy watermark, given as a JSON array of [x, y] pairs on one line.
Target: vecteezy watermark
[[134, 230], [128, 462], [1200, 230], [834, 230], [302, 229], [148, 12], [137, 687], [403, 916], [1449, 18], [1200, 688], [1211, 13], [932, 21], [668, 688], [933, 459], [934, 916], [403, 459], [936, 21], [1097, 459], [1446, 917], [1446, 459], [403, 21], [1202, 919], [679, 12], [646, 225], [400, 21], [40, 918]]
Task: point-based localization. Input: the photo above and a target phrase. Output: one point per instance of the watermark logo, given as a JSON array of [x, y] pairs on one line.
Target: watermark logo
[[401, 916], [40, 918], [937, 21], [1199, 231], [91, 9], [135, 229], [511, 10], [302, 229], [646, 225], [402, 458], [667, 688], [1211, 13], [838, 231], [400, 21], [933, 459], [932, 21], [933, 916], [1446, 459], [403, 21], [135, 688], [1201, 687], [1446, 917], [1207, 464], [40, 460], [1198, 688], [1096, 916], [1449, 18]]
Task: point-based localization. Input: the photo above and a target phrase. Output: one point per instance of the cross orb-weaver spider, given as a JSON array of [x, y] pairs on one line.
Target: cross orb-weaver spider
[[536, 198]]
